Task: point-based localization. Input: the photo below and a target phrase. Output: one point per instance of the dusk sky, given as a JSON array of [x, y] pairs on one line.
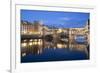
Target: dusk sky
[[56, 18]]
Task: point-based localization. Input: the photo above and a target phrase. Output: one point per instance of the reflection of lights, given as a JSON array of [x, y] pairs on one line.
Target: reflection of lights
[[35, 43], [35, 40], [78, 47], [25, 40], [23, 54], [31, 39], [54, 48], [24, 44], [59, 45], [30, 43], [39, 40], [39, 43], [39, 51]]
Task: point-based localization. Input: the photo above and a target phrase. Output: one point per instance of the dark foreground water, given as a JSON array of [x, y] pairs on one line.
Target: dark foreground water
[[55, 55]]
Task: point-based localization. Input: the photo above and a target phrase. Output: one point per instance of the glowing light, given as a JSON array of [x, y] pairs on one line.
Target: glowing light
[[35, 43], [39, 51], [31, 39], [39, 40], [30, 43], [23, 54], [24, 44], [59, 30], [59, 45], [39, 43]]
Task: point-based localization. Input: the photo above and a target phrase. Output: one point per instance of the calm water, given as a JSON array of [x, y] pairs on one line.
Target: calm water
[[51, 54], [36, 52]]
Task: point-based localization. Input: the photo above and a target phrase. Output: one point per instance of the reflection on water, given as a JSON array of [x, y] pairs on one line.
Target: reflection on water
[[43, 42], [33, 50]]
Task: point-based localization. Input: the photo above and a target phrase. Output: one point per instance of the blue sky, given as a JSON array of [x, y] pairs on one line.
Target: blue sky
[[56, 18]]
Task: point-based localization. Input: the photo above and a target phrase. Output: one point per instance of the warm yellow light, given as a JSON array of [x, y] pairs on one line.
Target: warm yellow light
[[39, 40], [59, 45], [24, 44], [30, 43], [35, 43], [59, 30], [39, 43], [31, 39]]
